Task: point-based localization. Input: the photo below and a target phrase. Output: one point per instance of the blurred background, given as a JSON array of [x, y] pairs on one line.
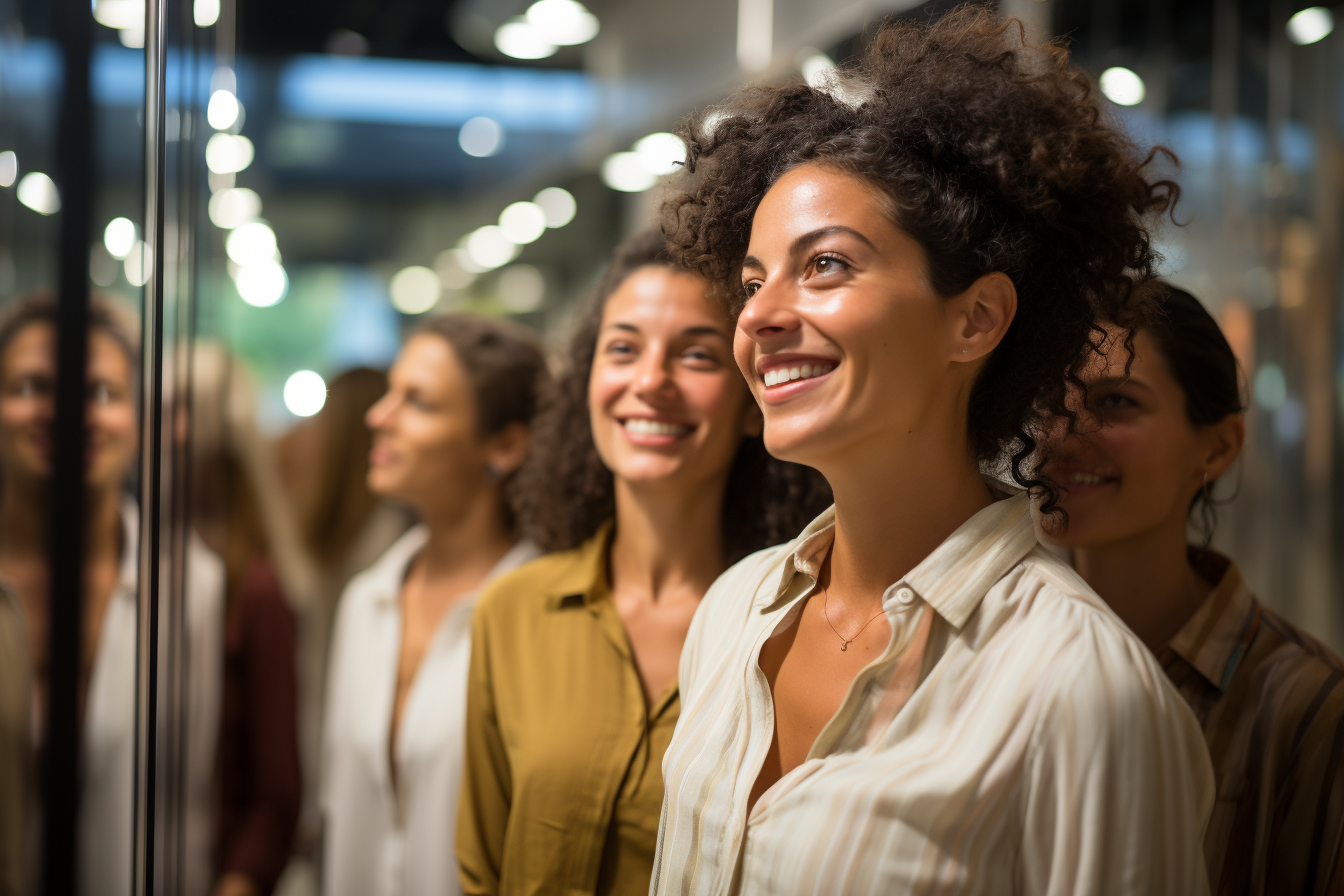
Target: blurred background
[[281, 190]]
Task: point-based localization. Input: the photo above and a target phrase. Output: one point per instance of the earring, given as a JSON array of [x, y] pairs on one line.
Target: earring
[[963, 351], [1205, 489]]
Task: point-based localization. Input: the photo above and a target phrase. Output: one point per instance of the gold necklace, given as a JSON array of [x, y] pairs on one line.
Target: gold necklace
[[826, 611]]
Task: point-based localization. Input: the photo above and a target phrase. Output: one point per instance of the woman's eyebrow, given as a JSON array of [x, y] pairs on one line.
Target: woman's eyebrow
[[805, 242]]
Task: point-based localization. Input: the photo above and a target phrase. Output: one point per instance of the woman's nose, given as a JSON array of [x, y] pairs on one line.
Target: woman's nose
[[377, 415], [652, 376], [768, 315]]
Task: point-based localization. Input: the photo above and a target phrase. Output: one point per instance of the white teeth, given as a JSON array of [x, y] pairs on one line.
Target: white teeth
[[1086, 479], [801, 372], [644, 427]]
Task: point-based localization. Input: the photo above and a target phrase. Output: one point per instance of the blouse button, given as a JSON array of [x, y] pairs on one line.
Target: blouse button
[[905, 596]]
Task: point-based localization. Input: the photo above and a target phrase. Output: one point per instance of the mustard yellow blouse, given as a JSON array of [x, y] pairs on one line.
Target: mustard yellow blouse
[[562, 787]]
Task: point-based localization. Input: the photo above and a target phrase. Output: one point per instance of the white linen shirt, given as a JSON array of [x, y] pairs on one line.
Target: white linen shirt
[[1034, 747], [108, 760], [379, 840]]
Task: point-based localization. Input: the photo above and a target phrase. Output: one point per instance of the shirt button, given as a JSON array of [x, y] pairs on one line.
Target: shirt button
[[905, 596]]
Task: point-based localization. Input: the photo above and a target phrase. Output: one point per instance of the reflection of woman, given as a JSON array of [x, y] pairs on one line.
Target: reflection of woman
[[1163, 424], [108, 668], [448, 434], [257, 783], [653, 478], [913, 696]]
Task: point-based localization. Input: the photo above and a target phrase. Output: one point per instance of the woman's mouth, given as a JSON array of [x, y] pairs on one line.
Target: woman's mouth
[[804, 371], [1080, 480], [642, 426]]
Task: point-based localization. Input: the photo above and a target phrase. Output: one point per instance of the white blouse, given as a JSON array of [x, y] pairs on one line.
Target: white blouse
[[107, 806], [1014, 738], [379, 840]]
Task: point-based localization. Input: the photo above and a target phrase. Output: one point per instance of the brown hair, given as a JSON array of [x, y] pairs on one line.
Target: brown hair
[[340, 501], [565, 495], [507, 370], [991, 153], [104, 315]]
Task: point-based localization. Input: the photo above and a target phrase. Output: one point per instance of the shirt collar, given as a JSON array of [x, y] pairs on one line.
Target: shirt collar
[[956, 575], [1214, 639], [584, 579], [389, 573]]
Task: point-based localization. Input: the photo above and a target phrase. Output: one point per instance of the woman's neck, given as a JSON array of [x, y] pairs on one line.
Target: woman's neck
[[895, 502], [465, 542], [668, 537], [24, 520], [1147, 580]]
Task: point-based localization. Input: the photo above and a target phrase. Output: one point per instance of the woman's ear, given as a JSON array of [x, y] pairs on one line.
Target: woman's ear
[[983, 314], [506, 449], [1222, 445]]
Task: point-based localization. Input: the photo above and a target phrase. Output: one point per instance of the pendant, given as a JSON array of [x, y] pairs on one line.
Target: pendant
[[844, 646]]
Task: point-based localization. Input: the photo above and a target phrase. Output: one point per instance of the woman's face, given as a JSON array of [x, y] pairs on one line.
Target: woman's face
[[665, 401], [1135, 461], [426, 445], [28, 408], [842, 340]]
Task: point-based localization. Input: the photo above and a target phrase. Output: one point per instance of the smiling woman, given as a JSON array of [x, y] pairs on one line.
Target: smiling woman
[[916, 254], [653, 478]]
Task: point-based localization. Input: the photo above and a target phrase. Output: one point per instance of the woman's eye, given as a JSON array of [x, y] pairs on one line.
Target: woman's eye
[[751, 288], [1115, 402], [701, 356], [100, 394], [828, 264], [620, 348]]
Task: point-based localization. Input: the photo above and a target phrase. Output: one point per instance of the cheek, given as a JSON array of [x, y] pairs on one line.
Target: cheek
[[605, 385], [718, 398], [743, 352]]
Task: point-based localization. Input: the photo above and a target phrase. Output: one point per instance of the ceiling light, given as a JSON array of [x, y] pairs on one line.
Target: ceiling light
[[521, 288], [1310, 25], [261, 284], [562, 22], [138, 264], [38, 192], [119, 237], [522, 40], [223, 110], [124, 15], [205, 13], [228, 153], [558, 204], [661, 153], [523, 222], [489, 247], [480, 136], [9, 168], [305, 393], [414, 290], [1122, 86], [453, 271], [251, 244], [625, 171], [232, 208]]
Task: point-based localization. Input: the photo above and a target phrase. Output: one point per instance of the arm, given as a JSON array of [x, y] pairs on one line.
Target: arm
[[1117, 783], [487, 787], [260, 847]]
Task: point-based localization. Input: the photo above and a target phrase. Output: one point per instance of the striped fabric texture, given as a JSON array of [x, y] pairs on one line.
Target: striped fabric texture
[[1034, 747], [1270, 699]]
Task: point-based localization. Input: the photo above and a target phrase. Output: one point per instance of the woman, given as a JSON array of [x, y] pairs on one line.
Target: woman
[[913, 696], [1164, 424], [653, 481], [108, 670], [447, 436], [257, 778]]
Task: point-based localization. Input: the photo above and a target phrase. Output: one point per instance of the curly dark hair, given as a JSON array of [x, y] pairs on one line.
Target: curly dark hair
[[1202, 363], [564, 494], [993, 155]]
